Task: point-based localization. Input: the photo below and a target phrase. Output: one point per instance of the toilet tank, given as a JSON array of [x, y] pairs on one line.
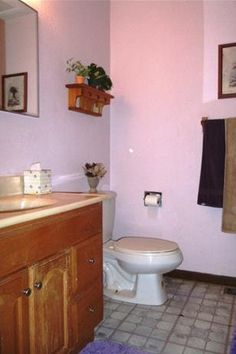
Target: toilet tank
[[108, 215]]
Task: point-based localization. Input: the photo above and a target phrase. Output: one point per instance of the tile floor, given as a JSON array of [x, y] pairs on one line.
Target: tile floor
[[198, 318]]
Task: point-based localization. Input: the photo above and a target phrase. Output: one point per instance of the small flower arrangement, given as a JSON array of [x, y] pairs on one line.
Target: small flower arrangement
[[94, 169], [77, 67]]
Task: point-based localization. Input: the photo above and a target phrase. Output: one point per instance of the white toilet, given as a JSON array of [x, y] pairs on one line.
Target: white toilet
[[133, 266]]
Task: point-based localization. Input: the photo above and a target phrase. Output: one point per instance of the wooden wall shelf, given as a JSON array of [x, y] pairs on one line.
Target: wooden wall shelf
[[86, 99]]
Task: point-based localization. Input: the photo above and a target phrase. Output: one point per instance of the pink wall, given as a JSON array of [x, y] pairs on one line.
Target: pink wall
[[164, 65], [60, 139]]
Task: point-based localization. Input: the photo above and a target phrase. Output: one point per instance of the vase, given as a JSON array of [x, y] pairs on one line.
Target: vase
[[93, 183], [79, 79]]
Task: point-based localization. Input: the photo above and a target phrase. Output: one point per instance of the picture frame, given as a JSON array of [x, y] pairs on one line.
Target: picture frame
[[14, 92], [227, 70]]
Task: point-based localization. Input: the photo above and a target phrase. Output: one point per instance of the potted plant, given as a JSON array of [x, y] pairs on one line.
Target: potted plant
[[94, 172], [80, 70], [98, 78]]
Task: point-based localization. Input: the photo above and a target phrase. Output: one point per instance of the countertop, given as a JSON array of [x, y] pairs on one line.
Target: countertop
[[63, 202]]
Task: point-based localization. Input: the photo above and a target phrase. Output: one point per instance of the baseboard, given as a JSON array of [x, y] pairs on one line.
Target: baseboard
[[203, 277]]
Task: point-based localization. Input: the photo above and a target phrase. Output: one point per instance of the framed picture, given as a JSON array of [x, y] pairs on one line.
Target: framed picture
[[14, 92], [227, 71]]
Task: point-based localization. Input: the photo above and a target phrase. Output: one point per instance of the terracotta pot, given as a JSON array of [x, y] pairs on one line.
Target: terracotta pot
[[79, 79]]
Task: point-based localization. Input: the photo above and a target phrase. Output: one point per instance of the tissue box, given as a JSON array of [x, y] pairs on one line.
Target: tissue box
[[37, 182]]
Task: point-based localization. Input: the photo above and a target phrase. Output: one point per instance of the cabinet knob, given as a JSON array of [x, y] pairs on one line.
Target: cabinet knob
[[91, 309], [38, 285], [91, 261], [26, 292]]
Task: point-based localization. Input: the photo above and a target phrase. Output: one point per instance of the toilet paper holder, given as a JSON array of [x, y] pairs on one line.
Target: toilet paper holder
[[158, 196]]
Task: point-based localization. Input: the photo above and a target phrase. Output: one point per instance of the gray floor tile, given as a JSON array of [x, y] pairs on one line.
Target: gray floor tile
[[140, 312], [150, 322], [188, 350], [133, 318], [205, 316], [172, 348], [118, 315], [136, 340], [174, 310], [125, 308], [196, 342], [103, 332], [127, 326], [111, 323], [160, 334], [154, 314], [183, 329], [221, 320], [199, 333], [185, 321], [165, 325], [154, 345], [143, 330], [178, 337], [219, 333], [215, 347], [202, 324], [120, 336], [169, 317]]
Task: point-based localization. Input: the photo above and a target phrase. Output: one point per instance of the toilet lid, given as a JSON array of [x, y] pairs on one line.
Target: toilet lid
[[144, 245]]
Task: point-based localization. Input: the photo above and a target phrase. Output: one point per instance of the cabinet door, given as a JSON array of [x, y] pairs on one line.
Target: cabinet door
[[49, 305], [14, 319]]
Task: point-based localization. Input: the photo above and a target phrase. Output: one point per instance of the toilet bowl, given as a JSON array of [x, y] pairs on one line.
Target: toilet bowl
[[133, 267]]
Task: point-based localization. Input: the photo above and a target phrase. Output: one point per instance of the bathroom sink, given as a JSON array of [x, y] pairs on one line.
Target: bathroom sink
[[24, 202]]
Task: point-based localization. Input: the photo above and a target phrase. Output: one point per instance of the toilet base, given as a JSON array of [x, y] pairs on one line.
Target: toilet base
[[149, 289]]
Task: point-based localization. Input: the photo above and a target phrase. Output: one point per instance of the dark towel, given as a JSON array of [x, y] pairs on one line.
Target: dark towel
[[213, 161]]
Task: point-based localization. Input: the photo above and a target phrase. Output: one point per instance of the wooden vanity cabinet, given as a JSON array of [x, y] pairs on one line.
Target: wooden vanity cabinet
[[51, 283]]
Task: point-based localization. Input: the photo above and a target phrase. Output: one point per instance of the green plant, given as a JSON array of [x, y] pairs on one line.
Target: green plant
[[77, 67], [94, 169], [98, 78]]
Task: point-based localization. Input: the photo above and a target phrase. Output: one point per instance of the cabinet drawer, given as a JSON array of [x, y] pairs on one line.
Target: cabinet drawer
[[88, 263], [24, 244], [89, 313], [90, 307]]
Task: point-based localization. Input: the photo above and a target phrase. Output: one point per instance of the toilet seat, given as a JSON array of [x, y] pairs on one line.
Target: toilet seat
[[144, 245]]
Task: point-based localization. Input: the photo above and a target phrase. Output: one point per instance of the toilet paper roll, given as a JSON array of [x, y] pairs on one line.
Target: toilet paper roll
[[152, 200]]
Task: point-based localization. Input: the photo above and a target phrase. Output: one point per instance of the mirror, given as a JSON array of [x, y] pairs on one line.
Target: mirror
[[19, 91]]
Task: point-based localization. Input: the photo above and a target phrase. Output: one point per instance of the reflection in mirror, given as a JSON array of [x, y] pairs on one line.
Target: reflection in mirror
[[18, 58]]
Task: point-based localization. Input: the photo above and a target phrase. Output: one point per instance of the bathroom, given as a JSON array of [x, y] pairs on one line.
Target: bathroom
[[150, 137]]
